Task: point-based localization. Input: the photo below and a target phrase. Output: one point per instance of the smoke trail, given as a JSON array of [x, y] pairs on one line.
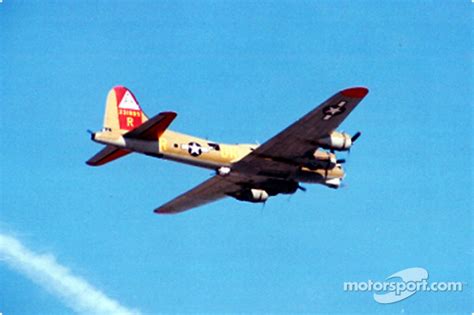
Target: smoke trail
[[74, 291]]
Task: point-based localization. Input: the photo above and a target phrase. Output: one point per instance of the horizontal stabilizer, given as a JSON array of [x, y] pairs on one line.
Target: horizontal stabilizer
[[150, 130], [106, 155], [153, 128]]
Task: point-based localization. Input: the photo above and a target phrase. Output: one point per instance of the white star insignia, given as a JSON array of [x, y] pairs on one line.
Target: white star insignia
[[333, 110], [194, 149]]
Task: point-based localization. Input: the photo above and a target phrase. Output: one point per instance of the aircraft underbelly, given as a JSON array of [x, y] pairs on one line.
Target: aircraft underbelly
[[308, 177], [200, 162]]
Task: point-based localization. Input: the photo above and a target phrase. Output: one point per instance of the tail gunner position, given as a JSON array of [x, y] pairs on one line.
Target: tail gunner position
[[245, 172]]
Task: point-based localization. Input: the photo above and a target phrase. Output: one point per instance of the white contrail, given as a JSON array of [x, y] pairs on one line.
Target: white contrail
[[74, 291]]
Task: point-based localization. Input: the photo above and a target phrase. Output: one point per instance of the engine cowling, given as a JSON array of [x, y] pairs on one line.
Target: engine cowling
[[323, 159], [339, 141], [251, 195], [333, 182]]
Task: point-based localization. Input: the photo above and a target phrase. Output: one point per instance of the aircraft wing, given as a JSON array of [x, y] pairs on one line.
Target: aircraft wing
[[277, 157], [280, 155], [213, 189]]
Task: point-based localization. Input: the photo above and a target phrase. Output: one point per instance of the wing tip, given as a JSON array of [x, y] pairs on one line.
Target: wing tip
[[170, 113], [162, 211], [355, 92]]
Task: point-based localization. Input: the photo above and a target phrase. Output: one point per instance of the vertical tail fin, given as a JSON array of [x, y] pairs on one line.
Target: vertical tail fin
[[122, 111], [122, 114]]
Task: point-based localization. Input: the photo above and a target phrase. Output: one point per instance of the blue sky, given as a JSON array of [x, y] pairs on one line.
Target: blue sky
[[238, 72]]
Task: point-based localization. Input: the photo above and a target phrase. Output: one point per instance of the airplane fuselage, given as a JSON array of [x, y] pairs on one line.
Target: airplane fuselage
[[207, 154]]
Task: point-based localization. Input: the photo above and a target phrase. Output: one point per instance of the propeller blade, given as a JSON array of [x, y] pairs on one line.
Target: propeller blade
[[356, 136], [90, 131], [341, 161], [302, 188]]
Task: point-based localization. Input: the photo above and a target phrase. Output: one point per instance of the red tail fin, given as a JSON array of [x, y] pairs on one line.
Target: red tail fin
[[122, 111]]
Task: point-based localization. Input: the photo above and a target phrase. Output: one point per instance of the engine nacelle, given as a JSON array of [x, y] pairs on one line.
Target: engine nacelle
[[333, 183], [323, 159], [251, 195], [339, 141], [223, 171], [258, 195]]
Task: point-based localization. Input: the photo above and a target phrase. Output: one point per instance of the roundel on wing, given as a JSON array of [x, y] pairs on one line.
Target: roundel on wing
[[334, 110]]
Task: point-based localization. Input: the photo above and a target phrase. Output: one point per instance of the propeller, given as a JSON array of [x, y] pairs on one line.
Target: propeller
[[356, 136], [301, 188], [263, 207], [354, 139], [341, 161]]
